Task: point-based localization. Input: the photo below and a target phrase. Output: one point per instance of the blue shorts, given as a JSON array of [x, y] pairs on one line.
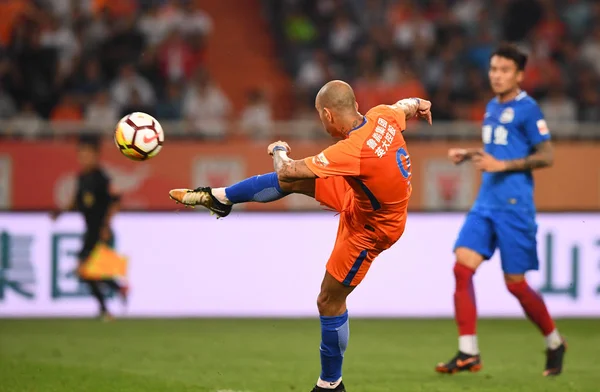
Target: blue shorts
[[513, 232]]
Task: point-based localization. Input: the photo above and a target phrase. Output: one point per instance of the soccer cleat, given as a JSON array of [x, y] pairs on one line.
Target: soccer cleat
[[106, 317], [339, 388], [461, 362], [554, 360], [200, 196]]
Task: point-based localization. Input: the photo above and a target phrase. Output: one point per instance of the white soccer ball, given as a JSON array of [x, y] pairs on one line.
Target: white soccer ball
[[139, 136]]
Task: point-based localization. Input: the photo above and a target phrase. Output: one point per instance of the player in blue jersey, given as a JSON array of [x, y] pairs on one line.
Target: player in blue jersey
[[516, 141]]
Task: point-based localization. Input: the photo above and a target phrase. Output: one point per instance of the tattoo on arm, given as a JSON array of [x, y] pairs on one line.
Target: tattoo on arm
[[289, 170], [280, 159], [409, 106], [542, 157]]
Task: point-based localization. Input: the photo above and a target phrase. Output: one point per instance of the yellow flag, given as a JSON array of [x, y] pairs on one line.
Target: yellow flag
[[103, 263]]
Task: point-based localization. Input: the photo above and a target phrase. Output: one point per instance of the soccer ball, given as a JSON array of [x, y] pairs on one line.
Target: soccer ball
[[139, 136]]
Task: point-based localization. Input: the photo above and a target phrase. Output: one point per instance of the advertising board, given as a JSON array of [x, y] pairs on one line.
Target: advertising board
[[271, 264]]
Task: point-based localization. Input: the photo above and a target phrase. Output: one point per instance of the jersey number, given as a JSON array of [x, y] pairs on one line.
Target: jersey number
[[500, 135], [404, 168]]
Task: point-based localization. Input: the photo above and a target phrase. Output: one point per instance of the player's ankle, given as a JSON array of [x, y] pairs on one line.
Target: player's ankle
[[328, 384], [219, 194], [553, 340], [468, 344]]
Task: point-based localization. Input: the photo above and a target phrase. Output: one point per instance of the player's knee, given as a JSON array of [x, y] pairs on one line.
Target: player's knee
[[512, 279], [468, 258], [330, 305]]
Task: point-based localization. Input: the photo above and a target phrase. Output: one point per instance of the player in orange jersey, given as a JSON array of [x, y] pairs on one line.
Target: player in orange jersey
[[365, 177]]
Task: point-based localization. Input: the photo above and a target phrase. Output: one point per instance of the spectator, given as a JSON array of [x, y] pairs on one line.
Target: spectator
[[206, 107], [27, 123], [590, 50], [101, 114], [343, 38], [128, 83], [176, 59], [89, 80], [7, 105], [559, 110], [67, 110], [195, 20], [171, 106], [314, 72], [136, 104], [257, 117], [589, 107]]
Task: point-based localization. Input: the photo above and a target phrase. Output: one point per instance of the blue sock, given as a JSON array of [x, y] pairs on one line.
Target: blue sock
[[335, 332], [262, 188]]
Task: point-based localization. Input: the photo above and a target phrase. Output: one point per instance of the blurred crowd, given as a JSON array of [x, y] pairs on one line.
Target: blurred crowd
[[93, 61], [96, 60], [440, 49]]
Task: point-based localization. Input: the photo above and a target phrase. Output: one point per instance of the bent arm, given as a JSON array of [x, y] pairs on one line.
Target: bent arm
[[289, 170], [542, 157]]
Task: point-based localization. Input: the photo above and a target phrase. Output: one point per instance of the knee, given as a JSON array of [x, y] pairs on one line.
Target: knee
[[515, 284], [329, 305], [468, 258]]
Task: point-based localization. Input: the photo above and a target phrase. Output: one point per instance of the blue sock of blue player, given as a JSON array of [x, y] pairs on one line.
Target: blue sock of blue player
[[262, 188], [335, 332]]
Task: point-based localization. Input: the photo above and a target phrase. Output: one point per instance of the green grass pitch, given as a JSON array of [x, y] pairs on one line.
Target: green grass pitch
[[264, 355]]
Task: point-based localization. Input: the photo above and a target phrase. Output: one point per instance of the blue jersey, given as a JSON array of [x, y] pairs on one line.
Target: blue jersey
[[511, 130]]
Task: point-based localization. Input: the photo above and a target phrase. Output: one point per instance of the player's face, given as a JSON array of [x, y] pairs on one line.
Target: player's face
[[504, 75], [88, 157]]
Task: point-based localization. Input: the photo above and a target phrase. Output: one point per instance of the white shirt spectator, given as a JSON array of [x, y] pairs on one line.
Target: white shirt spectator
[[257, 120], [343, 35], [122, 88], [466, 11], [417, 30], [590, 50], [197, 22], [61, 38], [153, 28], [27, 124], [207, 110], [101, 115]]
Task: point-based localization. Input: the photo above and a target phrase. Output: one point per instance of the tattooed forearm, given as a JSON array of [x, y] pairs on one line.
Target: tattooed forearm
[[543, 157], [409, 106], [289, 170], [281, 163]]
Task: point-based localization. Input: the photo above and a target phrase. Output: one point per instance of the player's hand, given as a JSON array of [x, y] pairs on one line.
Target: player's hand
[[457, 155], [278, 144], [424, 110], [105, 233], [487, 163]]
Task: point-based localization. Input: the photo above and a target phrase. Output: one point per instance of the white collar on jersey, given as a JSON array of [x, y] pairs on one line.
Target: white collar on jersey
[[522, 94]]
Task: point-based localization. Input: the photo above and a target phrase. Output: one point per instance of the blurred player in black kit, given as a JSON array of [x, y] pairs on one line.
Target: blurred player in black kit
[[98, 204]]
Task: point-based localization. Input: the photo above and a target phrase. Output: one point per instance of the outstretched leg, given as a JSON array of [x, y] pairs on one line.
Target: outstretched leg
[[263, 188]]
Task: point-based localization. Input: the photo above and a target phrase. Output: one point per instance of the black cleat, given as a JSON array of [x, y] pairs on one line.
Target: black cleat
[[554, 360], [200, 196], [339, 388], [461, 362]]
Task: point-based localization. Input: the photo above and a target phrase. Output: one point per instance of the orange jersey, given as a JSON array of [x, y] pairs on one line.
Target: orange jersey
[[375, 163]]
